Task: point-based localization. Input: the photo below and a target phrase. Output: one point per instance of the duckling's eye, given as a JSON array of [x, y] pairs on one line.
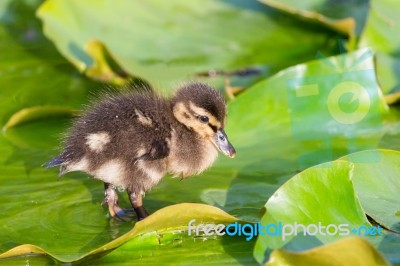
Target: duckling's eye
[[203, 119]]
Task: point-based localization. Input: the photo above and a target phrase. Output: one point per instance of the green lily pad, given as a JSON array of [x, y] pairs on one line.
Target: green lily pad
[[183, 249], [374, 24], [37, 112], [259, 125], [347, 17], [65, 216], [158, 229], [377, 184], [267, 157], [191, 36], [380, 34], [299, 114], [69, 209], [32, 72], [381, 28], [388, 71], [348, 251], [336, 196]]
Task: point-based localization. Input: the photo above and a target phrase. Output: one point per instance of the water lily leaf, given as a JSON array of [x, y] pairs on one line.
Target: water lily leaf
[[170, 220], [336, 196], [104, 67], [23, 250], [304, 196], [392, 98], [65, 217], [191, 36], [37, 112], [259, 126], [182, 249], [388, 69], [305, 109], [381, 28], [32, 72], [347, 17], [342, 22], [69, 209], [388, 72], [377, 184], [347, 251], [380, 34]]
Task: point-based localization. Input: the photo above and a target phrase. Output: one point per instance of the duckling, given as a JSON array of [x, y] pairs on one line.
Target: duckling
[[132, 140]]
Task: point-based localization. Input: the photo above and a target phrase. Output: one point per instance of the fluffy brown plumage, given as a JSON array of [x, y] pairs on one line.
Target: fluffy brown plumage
[[132, 140]]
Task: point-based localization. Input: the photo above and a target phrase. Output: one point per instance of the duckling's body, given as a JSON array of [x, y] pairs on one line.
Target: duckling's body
[[133, 140]]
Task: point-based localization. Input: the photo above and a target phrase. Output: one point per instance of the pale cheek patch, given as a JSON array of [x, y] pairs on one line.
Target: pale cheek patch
[[97, 141], [143, 119], [181, 113], [183, 116]]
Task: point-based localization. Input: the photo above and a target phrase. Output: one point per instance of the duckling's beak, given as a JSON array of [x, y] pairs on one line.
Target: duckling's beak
[[221, 141]]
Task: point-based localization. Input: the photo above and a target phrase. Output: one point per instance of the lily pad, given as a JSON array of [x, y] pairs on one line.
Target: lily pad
[[32, 71], [374, 23], [388, 72], [259, 125], [38, 112], [158, 229], [65, 216], [377, 184], [347, 17], [69, 209], [380, 34], [347, 251], [288, 116], [336, 196], [191, 36], [382, 26]]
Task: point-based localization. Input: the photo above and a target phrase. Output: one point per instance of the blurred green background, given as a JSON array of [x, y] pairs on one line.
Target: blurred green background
[[57, 55]]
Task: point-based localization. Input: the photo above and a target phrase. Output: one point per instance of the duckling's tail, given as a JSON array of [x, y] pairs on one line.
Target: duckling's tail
[[57, 161]]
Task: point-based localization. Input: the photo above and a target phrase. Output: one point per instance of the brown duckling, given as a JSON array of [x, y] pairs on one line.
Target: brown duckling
[[131, 141]]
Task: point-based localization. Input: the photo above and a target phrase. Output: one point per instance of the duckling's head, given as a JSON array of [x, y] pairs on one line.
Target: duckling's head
[[202, 109]]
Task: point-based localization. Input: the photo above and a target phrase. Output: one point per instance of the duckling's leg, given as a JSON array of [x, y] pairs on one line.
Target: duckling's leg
[[111, 198], [137, 204]]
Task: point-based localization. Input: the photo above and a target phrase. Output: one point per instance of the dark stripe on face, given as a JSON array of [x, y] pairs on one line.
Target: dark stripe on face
[[214, 128], [190, 111]]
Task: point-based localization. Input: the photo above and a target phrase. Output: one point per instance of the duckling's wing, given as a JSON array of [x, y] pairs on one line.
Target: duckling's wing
[[158, 150]]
